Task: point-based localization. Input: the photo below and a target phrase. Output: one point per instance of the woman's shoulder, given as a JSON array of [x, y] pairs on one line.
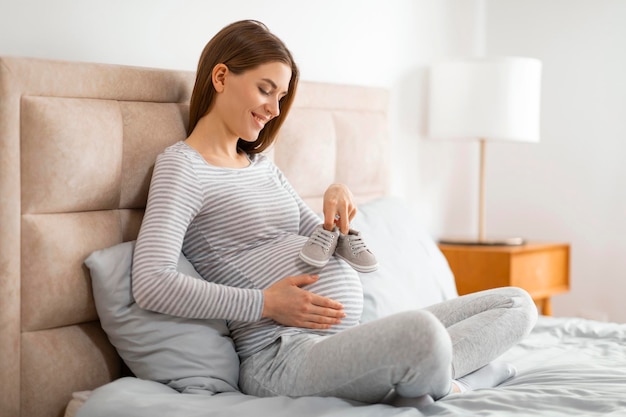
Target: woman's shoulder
[[258, 158], [177, 150], [265, 161], [176, 157], [262, 159]]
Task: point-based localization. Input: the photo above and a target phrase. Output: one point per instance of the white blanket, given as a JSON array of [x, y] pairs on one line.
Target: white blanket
[[566, 367]]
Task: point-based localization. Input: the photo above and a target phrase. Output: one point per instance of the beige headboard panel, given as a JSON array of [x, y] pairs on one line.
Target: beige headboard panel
[[77, 146]]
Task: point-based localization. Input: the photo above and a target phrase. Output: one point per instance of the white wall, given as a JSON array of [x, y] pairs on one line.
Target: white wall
[[568, 188], [572, 185], [351, 41]]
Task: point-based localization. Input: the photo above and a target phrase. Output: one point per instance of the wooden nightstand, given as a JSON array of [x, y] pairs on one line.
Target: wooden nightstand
[[542, 269]]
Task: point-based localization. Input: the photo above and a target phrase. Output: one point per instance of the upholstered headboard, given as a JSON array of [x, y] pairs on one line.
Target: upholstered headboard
[[77, 146]]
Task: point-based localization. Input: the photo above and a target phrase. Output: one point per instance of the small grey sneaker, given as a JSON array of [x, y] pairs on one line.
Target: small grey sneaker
[[320, 246], [351, 248]]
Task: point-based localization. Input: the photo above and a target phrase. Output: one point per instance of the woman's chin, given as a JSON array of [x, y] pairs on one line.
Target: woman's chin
[[250, 138]]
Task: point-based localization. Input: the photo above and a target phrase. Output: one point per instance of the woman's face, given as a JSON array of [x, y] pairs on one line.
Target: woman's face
[[251, 99]]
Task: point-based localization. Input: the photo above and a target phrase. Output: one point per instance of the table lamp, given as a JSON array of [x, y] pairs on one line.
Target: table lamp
[[485, 99]]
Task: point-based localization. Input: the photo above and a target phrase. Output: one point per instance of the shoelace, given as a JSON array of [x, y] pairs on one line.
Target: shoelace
[[323, 238], [357, 244]]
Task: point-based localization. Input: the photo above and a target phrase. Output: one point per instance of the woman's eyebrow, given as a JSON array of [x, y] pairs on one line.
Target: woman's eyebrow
[[270, 82]]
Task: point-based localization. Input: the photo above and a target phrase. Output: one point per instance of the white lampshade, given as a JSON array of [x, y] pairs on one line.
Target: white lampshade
[[485, 98], [491, 98]]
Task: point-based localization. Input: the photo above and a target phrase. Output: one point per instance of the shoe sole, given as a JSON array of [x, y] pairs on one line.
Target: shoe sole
[[359, 268], [313, 262]]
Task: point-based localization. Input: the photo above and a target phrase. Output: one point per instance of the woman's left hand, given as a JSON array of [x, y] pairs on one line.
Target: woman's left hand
[[339, 209]]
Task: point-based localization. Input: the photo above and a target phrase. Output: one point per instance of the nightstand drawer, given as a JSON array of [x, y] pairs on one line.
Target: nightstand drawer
[[542, 273]]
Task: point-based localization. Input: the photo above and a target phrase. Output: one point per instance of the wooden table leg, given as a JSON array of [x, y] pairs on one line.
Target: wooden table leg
[[547, 307], [544, 305]]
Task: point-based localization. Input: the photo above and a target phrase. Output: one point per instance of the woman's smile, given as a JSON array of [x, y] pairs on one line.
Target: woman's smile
[[260, 121]]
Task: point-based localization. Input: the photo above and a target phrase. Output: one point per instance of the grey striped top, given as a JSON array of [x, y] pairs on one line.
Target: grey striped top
[[242, 230]]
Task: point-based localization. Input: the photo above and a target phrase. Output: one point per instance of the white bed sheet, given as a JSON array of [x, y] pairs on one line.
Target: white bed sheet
[[566, 367]]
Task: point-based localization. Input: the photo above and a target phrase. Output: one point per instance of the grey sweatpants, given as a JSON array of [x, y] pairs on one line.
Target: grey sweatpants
[[414, 353]]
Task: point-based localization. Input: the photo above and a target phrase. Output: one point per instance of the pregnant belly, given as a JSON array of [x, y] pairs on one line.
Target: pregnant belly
[[339, 282], [266, 264]]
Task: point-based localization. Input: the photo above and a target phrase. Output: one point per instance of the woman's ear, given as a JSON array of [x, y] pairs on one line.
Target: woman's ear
[[218, 77]]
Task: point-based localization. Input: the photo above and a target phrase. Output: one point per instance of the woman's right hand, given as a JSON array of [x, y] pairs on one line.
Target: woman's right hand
[[290, 305]]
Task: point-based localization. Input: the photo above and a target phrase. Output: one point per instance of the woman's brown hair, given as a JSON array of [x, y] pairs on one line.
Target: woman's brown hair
[[242, 46]]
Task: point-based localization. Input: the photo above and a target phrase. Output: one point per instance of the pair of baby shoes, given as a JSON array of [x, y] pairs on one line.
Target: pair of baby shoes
[[350, 247]]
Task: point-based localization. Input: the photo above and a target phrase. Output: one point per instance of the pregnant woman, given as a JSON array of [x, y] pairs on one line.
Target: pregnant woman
[[217, 198]]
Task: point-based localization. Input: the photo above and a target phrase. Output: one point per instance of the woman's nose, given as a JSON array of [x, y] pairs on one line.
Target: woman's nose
[[273, 108]]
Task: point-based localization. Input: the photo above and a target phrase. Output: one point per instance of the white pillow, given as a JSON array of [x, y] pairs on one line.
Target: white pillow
[[412, 271], [189, 355]]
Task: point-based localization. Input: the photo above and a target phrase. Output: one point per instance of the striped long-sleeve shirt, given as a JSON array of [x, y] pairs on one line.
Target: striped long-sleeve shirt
[[242, 230]]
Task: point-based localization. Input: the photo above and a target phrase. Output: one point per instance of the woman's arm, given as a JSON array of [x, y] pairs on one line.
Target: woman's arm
[[174, 200]]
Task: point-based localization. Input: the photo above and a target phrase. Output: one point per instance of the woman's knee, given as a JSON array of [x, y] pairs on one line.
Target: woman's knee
[[422, 335], [530, 309], [522, 302]]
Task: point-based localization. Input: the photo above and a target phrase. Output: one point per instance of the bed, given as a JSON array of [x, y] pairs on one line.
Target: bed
[[77, 147]]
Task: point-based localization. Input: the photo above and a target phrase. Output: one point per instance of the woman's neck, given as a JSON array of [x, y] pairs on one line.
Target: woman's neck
[[216, 148]]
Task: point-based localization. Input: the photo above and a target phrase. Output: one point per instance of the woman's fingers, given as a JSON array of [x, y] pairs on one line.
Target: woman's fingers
[[339, 208], [323, 306]]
